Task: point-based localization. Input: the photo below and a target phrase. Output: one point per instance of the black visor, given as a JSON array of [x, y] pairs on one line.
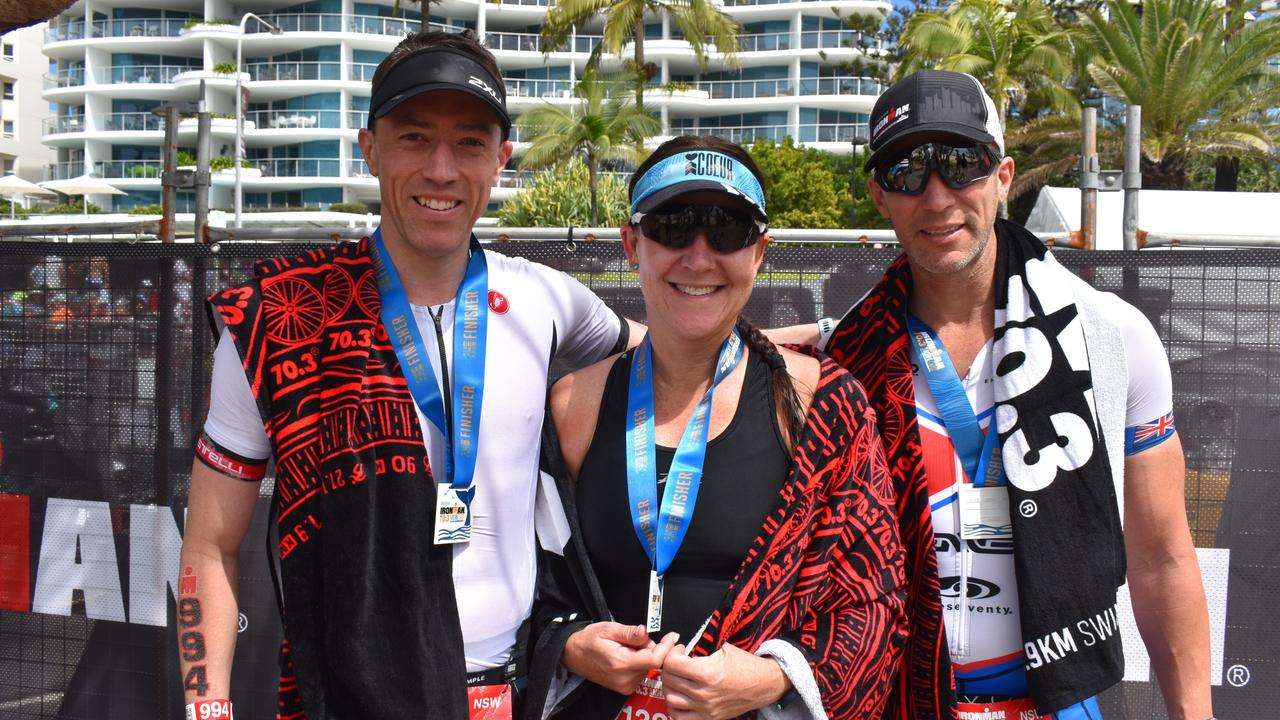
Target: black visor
[[439, 68]]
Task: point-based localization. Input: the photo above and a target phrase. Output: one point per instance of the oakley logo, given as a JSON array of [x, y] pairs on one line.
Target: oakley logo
[[485, 87], [978, 589], [708, 164]]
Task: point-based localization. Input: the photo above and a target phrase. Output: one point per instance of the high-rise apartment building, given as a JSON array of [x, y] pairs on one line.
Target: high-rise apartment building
[[22, 107], [308, 86]]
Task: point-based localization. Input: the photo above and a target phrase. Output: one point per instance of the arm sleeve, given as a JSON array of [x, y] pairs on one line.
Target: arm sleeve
[[234, 422], [586, 329]]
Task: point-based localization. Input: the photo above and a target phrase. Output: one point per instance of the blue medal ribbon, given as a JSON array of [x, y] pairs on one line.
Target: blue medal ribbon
[[661, 533], [470, 324], [979, 455]]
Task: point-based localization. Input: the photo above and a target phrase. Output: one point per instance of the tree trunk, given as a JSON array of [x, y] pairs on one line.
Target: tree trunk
[[641, 75], [16, 14], [591, 183], [1226, 173], [1170, 173]]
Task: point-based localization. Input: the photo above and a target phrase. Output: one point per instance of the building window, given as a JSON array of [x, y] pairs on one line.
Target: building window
[[8, 91], [7, 52], [8, 166], [8, 128]]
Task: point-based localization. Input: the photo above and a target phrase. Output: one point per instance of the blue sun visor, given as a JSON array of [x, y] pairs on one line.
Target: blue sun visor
[[697, 170]]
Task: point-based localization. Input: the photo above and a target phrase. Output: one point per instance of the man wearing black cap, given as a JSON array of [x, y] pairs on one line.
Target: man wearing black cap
[[1013, 533], [399, 385]]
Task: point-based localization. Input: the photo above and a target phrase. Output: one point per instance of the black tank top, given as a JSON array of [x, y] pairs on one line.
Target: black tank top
[[744, 470]]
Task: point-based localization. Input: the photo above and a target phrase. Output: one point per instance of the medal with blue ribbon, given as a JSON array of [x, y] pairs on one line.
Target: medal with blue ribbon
[[984, 501], [470, 324], [661, 530]]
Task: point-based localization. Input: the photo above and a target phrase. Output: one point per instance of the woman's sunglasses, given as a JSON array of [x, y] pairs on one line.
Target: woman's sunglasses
[[677, 226], [958, 166]]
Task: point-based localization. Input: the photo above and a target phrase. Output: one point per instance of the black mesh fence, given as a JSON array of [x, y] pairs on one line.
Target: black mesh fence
[[104, 368]]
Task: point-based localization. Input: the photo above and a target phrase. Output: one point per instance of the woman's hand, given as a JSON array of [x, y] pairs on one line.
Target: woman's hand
[[615, 656], [725, 684]]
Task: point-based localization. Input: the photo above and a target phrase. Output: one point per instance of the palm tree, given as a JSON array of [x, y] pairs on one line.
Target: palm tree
[[1203, 83], [699, 21], [604, 125], [1015, 48]]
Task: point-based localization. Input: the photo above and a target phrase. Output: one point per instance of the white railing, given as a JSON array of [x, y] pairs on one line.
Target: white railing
[[295, 119], [299, 70], [130, 121]]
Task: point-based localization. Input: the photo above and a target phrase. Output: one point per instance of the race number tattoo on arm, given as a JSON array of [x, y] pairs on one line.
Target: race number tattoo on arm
[[191, 645]]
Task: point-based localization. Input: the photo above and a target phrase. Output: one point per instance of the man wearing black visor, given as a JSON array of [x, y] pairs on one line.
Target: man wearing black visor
[[1024, 415], [399, 385]]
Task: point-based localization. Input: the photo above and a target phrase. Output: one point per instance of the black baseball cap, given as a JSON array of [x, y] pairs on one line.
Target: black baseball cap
[[933, 101], [439, 68]]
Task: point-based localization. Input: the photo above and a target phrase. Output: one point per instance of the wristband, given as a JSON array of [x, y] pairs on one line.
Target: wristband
[[826, 328], [209, 710]]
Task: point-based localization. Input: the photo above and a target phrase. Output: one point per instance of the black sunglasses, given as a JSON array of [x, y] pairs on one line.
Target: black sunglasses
[[677, 226], [957, 165]]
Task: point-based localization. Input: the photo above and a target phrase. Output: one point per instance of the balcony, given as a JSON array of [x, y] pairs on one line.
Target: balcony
[[764, 42], [130, 169], [130, 122], [841, 85], [64, 170], [73, 77], [285, 71], [141, 74], [359, 169], [833, 133], [295, 119], [829, 39], [521, 87], [529, 3], [741, 134], [745, 89], [357, 119], [299, 167], [63, 124], [299, 22], [362, 72]]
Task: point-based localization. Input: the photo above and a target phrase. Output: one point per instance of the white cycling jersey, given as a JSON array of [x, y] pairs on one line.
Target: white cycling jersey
[[534, 312]]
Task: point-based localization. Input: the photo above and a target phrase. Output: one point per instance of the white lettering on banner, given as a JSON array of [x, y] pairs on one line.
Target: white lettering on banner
[[78, 552], [155, 546]]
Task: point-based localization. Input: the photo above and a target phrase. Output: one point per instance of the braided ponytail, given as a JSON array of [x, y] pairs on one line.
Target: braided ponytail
[[782, 389]]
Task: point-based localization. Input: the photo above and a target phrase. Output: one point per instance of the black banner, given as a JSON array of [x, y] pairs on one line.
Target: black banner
[[104, 370]]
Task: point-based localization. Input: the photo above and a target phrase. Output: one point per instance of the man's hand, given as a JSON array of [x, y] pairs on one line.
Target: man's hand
[[725, 684], [615, 656]]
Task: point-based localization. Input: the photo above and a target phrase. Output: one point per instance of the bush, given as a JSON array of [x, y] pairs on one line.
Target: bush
[[146, 210], [72, 208], [144, 171], [559, 198], [226, 163], [358, 208], [225, 68], [18, 211], [192, 22]]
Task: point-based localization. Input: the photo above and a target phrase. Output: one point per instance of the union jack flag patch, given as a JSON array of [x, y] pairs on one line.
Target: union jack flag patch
[[1144, 436]]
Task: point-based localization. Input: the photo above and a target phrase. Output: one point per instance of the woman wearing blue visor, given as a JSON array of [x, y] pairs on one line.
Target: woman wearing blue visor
[[732, 544]]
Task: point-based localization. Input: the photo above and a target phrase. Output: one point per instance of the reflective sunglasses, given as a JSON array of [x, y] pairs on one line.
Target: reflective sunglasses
[[957, 165], [676, 227]]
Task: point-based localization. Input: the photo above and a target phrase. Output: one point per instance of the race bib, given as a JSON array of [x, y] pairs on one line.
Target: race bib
[[1020, 709], [647, 702], [489, 702]]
